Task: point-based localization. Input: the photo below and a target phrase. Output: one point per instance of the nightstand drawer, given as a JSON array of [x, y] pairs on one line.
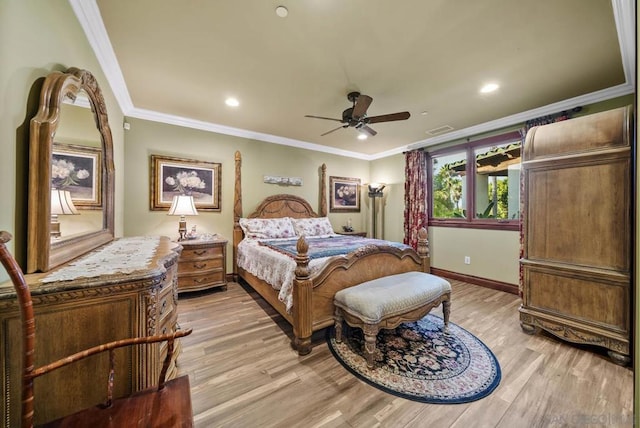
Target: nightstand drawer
[[199, 266], [202, 264], [210, 278], [201, 253]]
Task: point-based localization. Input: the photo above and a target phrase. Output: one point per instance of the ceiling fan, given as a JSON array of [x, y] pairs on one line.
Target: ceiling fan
[[356, 115]]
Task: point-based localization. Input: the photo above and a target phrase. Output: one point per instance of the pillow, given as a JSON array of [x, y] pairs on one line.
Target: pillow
[[312, 226], [266, 228]]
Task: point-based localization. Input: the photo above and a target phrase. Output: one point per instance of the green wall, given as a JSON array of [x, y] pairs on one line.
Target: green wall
[[40, 36], [37, 37], [494, 253], [145, 138]]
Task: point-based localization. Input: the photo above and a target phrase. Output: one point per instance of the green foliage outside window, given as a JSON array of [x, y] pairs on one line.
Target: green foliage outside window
[[502, 199], [447, 193]]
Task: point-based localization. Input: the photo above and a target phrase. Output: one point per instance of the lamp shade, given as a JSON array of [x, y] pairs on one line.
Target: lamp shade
[[61, 202], [183, 205], [376, 189]]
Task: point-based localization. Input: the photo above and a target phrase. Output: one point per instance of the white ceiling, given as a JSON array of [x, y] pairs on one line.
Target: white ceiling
[[177, 61]]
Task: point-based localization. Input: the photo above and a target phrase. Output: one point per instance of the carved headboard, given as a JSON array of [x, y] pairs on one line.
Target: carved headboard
[[281, 205]]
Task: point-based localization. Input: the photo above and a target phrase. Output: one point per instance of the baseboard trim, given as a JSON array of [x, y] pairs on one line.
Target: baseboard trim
[[484, 282]]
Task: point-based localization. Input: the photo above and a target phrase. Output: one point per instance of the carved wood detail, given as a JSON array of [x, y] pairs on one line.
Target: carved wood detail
[[81, 313], [42, 255], [576, 266], [313, 307]]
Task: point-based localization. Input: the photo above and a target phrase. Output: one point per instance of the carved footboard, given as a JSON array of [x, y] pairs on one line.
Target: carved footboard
[[313, 295]]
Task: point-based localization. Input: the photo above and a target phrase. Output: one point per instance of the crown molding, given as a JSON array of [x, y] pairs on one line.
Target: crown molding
[[88, 15], [170, 119], [605, 94]]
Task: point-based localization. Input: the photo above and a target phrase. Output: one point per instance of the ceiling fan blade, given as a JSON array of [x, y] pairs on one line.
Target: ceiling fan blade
[[388, 117], [362, 104], [329, 132], [325, 118], [366, 129]]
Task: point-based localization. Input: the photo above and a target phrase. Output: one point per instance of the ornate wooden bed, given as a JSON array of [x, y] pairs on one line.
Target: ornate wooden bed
[[313, 294]]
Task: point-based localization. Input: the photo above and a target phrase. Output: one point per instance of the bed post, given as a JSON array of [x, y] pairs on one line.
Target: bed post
[[323, 190], [237, 213], [423, 249], [302, 310]]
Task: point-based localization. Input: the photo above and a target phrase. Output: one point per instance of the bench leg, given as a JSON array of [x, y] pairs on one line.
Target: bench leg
[[338, 324], [370, 335], [446, 310]]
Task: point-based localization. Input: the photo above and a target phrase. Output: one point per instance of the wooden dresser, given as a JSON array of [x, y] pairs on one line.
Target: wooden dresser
[[577, 230], [76, 309], [203, 264]]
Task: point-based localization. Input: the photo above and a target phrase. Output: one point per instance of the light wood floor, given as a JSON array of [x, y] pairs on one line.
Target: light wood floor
[[243, 372]]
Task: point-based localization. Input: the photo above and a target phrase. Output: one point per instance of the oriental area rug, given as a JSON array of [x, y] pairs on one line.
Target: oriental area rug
[[419, 362]]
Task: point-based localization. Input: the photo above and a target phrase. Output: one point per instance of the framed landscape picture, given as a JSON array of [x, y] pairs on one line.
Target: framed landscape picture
[[172, 176], [344, 194], [78, 169]]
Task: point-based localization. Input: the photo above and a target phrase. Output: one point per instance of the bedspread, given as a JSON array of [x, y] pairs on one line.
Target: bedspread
[[272, 260], [334, 245]]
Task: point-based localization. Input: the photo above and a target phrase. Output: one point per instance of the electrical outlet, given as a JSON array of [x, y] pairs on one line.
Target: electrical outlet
[[467, 260]]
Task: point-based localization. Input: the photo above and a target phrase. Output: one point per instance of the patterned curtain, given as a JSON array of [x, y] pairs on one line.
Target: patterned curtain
[[416, 195]]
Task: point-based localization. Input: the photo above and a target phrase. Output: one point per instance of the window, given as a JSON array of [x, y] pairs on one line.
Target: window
[[483, 192], [448, 188]]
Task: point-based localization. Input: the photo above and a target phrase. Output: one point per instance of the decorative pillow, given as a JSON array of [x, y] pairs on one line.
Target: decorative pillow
[[267, 228], [312, 226]]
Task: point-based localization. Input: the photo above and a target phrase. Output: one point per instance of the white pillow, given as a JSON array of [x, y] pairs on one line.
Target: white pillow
[[267, 228], [312, 226]]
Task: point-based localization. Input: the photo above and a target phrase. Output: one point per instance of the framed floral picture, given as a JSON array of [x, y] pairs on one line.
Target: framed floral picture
[[172, 176], [78, 169], [345, 194]]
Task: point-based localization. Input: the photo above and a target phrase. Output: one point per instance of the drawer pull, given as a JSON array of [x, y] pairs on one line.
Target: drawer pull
[[199, 265], [164, 330], [198, 280], [199, 252], [163, 307]]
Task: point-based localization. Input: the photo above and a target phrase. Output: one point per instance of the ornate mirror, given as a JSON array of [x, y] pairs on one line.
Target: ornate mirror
[[71, 173]]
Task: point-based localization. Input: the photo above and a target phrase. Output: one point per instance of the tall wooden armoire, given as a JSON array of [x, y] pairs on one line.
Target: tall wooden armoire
[[577, 230]]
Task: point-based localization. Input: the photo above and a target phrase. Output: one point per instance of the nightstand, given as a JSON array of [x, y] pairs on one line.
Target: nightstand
[[363, 234], [202, 264]]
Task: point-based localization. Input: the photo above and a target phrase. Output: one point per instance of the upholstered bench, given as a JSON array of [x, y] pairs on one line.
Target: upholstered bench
[[388, 302]]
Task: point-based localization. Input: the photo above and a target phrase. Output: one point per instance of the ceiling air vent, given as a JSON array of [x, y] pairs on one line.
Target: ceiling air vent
[[440, 130]]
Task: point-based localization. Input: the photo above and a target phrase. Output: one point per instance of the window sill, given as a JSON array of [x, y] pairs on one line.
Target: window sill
[[476, 224]]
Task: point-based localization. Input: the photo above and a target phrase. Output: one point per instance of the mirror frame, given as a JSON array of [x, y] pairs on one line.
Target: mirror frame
[[42, 254]]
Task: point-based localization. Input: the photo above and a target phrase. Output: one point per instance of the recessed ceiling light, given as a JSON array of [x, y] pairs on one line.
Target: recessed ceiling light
[[424, 113], [489, 87], [362, 136], [282, 11], [232, 102]]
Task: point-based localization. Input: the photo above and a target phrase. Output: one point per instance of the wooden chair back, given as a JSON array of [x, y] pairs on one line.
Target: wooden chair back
[[168, 404]]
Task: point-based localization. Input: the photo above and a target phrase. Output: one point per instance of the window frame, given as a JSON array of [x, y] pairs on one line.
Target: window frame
[[471, 222]]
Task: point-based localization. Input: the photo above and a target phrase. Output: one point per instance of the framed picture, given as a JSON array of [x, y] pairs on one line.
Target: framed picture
[[345, 194], [176, 176], [78, 169]]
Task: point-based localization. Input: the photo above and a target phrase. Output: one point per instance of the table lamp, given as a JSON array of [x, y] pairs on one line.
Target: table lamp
[[182, 205], [61, 204]]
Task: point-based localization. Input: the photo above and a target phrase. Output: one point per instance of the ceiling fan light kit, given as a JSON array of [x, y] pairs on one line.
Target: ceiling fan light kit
[[356, 115], [282, 11]]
